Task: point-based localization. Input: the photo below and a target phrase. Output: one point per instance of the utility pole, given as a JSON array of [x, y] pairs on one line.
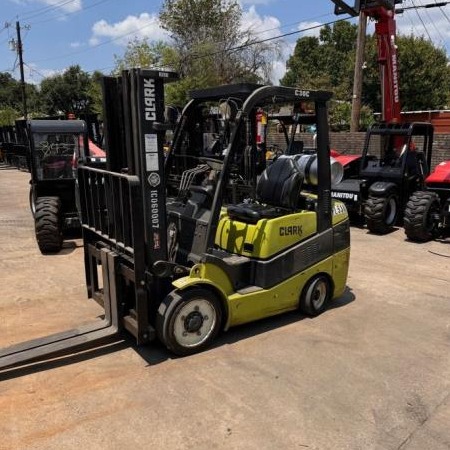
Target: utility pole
[[357, 79], [16, 46], [22, 76]]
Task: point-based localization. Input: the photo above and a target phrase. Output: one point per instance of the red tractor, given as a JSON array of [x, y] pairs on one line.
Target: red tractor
[[427, 213]]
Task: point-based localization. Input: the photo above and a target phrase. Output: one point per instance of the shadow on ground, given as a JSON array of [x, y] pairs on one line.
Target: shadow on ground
[[155, 353]]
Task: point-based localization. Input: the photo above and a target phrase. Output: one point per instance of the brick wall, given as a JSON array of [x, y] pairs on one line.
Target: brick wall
[[352, 143]]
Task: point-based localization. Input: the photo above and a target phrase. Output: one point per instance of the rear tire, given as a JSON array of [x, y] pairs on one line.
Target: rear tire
[[47, 223], [381, 213], [188, 321], [418, 221], [315, 295]]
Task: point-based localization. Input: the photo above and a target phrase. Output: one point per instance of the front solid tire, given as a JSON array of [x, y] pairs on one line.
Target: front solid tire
[[188, 321], [32, 199], [315, 295], [47, 224], [419, 223], [381, 213]]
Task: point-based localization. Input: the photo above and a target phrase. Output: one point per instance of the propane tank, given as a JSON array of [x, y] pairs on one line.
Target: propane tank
[[307, 165]]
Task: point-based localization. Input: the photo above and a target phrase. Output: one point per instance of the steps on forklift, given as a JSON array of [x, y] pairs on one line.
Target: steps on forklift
[[249, 290]]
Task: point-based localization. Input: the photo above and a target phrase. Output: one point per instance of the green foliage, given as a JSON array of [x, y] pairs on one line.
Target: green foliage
[[340, 116], [95, 93], [11, 95], [8, 115], [324, 62], [327, 62], [192, 22], [140, 53], [424, 75], [210, 47], [67, 93]]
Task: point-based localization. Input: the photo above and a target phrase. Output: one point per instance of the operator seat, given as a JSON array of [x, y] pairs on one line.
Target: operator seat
[[277, 193]]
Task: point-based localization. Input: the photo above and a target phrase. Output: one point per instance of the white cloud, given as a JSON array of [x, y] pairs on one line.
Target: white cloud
[[279, 66], [75, 44], [254, 2], [143, 26], [311, 28], [278, 71], [35, 75], [60, 6], [436, 25], [266, 27]]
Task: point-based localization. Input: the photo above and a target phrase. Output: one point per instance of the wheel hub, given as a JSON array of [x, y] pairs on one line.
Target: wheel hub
[[318, 295], [193, 322]]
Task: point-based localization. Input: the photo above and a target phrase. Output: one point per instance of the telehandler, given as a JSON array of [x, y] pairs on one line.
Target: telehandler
[[394, 165], [184, 245]]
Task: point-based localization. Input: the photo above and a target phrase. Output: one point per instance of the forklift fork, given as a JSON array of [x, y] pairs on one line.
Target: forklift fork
[[78, 339]]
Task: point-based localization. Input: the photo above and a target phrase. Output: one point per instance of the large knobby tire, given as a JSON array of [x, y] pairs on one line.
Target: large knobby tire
[[381, 213], [188, 321], [420, 216], [315, 295], [47, 222]]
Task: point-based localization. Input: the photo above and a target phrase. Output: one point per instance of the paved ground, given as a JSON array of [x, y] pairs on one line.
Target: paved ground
[[371, 373]]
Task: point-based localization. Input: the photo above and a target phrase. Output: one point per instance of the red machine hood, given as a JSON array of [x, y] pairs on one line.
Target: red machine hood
[[96, 151], [344, 159], [441, 174]]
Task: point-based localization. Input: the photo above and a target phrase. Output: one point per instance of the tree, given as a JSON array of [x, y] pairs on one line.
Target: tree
[[11, 95], [324, 62], [141, 53], [8, 115], [340, 116], [424, 75], [67, 93], [94, 92], [210, 47], [327, 62]]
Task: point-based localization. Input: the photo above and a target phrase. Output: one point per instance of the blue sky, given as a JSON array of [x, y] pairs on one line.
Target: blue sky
[[60, 33]]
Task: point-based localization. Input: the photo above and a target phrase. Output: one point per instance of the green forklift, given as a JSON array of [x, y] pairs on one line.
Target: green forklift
[[184, 245]]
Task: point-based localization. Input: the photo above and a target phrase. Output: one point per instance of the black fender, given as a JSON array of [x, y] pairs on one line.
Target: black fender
[[382, 188]]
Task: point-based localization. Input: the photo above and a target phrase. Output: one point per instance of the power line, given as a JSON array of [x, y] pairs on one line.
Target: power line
[[69, 13], [280, 36], [434, 25], [443, 12], [149, 24], [14, 67], [32, 69], [233, 49], [427, 6], [46, 9], [421, 21]]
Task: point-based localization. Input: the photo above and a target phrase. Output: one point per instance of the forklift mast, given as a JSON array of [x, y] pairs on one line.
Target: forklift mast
[[134, 139], [119, 217]]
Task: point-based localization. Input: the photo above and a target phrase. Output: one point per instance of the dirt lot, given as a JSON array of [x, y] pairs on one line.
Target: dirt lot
[[373, 372]]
